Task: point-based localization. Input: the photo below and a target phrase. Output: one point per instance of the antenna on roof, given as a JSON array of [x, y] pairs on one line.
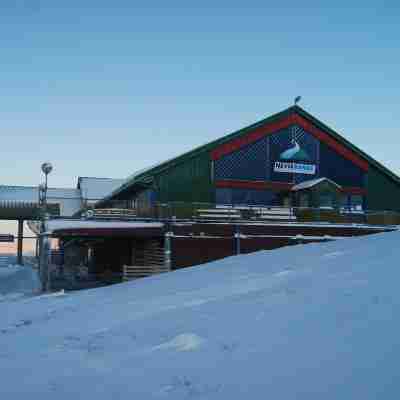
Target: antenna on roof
[[297, 99]]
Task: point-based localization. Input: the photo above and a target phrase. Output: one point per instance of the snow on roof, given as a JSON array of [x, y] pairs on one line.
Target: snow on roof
[[18, 193], [31, 193], [130, 178], [92, 188], [142, 171], [68, 199], [59, 224], [311, 183]]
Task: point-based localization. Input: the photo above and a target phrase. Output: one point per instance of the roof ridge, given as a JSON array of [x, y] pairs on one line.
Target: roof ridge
[[164, 164], [96, 177], [294, 109], [347, 143]]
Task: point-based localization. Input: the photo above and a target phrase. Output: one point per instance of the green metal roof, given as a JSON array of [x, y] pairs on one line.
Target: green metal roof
[[348, 144], [144, 177]]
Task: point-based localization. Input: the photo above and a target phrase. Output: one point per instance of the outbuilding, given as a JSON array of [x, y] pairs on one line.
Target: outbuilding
[[317, 193]]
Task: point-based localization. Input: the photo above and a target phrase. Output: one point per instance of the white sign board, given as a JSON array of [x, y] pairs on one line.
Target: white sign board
[[294, 168]]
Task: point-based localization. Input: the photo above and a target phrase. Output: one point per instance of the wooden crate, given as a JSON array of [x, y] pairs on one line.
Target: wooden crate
[[146, 261], [140, 271]]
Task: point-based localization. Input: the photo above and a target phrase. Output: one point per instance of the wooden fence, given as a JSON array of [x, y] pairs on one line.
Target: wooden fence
[[149, 260]]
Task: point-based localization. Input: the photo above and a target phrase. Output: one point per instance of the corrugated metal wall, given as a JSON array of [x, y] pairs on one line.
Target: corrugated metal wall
[[383, 192], [189, 181]]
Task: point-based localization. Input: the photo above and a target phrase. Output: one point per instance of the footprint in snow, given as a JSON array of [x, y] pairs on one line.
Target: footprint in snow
[[19, 324], [283, 273], [229, 347], [94, 343], [189, 387], [183, 342], [334, 254], [23, 322]]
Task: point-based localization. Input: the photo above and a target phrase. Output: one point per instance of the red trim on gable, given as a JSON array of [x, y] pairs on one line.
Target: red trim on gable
[[329, 141], [276, 186], [259, 185], [283, 123], [251, 137], [354, 190]]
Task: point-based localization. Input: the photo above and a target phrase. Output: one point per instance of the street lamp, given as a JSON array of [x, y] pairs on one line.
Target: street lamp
[[46, 169], [44, 243]]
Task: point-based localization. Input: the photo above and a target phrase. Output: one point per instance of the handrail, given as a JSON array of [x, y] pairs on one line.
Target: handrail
[[212, 212]]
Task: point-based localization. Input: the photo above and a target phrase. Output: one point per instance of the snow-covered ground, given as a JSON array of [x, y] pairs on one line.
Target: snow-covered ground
[[17, 281], [315, 321]]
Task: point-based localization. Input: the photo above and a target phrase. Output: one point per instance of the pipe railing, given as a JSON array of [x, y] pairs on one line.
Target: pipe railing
[[211, 212]]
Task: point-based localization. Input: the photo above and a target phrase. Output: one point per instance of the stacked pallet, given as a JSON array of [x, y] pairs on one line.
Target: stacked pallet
[[149, 260], [141, 271], [281, 214], [218, 214], [108, 213]]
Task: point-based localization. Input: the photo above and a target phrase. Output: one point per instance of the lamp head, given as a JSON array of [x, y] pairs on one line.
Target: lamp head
[[47, 168]]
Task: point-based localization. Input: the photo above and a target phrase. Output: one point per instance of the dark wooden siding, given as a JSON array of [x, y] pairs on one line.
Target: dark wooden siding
[[195, 244], [383, 192], [189, 181]]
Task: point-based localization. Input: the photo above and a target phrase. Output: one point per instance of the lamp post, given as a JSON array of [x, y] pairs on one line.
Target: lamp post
[[44, 267], [46, 169]]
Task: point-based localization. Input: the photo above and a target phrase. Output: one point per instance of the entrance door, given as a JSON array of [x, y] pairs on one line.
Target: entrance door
[[304, 200]]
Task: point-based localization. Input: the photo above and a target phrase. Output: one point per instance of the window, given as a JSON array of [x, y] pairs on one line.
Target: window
[[326, 200], [223, 196], [246, 197], [356, 202], [303, 200]]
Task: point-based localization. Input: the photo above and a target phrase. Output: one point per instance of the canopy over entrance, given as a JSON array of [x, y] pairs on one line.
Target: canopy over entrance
[[21, 203], [22, 210], [79, 228]]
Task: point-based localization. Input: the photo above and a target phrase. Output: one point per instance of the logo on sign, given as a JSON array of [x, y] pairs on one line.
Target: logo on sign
[[294, 168], [295, 153], [291, 164]]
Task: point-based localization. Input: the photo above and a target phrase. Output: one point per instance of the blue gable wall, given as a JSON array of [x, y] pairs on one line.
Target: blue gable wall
[[255, 162], [339, 169], [249, 163]]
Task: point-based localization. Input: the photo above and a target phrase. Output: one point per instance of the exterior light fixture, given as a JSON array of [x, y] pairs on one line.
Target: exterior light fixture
[[46, 169]]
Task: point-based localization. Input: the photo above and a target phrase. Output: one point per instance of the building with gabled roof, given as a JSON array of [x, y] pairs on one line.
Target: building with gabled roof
[[23, 201], [92, 189], [307, 183], [260, 164]]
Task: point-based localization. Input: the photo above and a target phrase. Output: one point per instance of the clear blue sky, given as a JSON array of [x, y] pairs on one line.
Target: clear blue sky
[[103, 88]]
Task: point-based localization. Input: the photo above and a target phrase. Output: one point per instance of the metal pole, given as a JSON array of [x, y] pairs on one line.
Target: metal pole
[[167, 249], [45, 194], [237, 240], [44, 267], [20, 260], [37, 248]]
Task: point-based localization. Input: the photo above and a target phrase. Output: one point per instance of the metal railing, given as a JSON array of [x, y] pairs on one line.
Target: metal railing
[[211, 212]]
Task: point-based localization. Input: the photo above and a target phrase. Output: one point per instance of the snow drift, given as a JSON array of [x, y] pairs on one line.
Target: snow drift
[[315, 321], [18, 281]]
